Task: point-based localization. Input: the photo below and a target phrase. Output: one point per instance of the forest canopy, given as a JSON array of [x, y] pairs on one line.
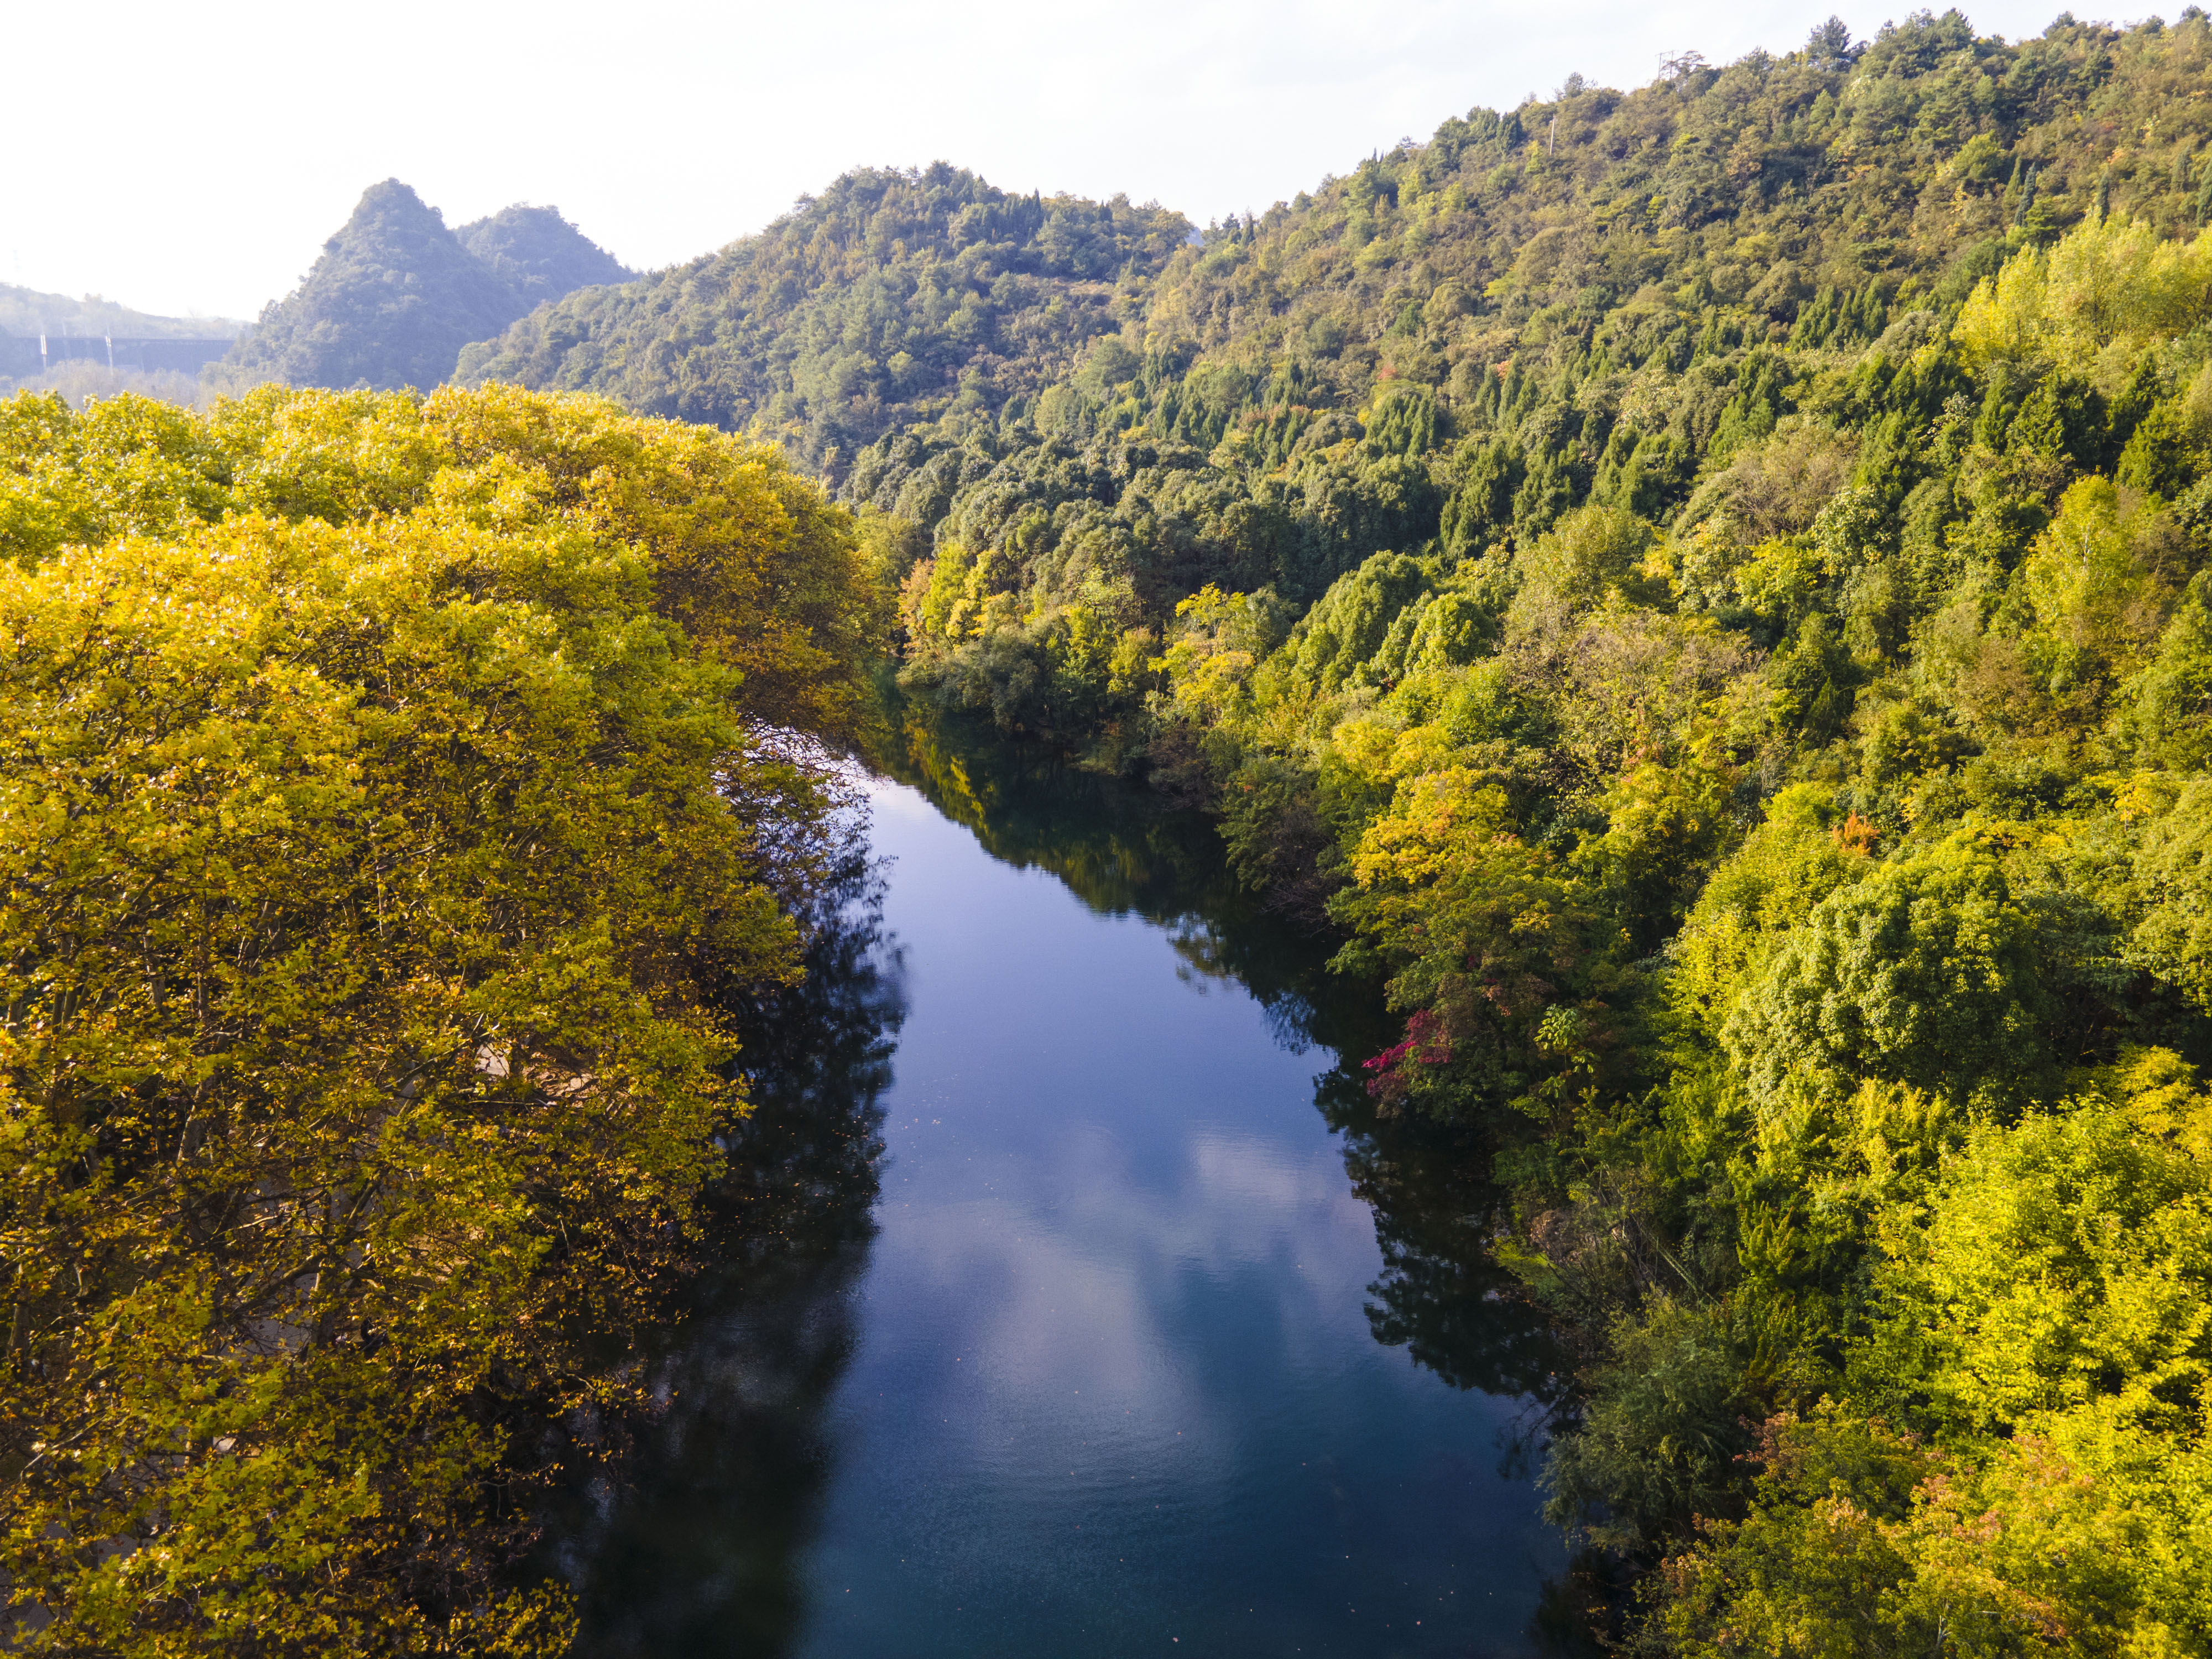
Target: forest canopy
[[1599, 297], [1704, 591], [394, 811], [892, 297]]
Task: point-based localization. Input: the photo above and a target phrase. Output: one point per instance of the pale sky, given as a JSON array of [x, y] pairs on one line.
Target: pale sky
[[187, 160]]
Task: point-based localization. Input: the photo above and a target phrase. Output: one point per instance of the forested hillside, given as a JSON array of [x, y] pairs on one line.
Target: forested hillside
[[1708, 591], [396, 294], [1705, 592], [891, 297], [540, 254], [1599, 298]]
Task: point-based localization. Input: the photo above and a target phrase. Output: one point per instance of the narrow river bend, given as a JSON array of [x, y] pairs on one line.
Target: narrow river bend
[[1075, 1306]]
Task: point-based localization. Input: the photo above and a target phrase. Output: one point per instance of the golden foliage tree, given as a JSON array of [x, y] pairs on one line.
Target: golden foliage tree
[[389, 794]]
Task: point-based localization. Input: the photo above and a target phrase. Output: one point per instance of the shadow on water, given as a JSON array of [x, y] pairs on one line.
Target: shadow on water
[[696, 1545], [691, 1545], [1123, 851]]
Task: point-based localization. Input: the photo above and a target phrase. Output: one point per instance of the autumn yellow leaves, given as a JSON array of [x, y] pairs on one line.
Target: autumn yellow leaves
[[382, 824]]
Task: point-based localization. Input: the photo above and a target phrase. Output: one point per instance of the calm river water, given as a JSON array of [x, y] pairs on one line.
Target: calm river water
[[1073, 1304]]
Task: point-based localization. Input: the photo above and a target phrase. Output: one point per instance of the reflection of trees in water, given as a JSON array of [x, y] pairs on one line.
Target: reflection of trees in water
[[1443, 1298], [1116, 847], [1442, 1295], [690, 1542], [1123, 851]]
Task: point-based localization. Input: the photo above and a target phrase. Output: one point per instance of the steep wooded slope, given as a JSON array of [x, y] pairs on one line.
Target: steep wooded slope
[[1600, 298], [891, 297]]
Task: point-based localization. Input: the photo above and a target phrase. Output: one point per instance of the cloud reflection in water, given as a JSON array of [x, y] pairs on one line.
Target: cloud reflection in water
[[1088, 1357]]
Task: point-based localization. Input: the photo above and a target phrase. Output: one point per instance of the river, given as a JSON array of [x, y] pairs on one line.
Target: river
[[1073, 1302]]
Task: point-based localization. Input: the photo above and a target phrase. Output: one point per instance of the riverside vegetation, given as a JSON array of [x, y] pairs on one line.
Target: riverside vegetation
[[401, 796], [1707, 590]]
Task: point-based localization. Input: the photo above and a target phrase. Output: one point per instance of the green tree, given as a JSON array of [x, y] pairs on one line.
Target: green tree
[[1925, 972]]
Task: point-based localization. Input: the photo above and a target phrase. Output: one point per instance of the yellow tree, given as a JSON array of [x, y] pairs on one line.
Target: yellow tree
[[370, 862]]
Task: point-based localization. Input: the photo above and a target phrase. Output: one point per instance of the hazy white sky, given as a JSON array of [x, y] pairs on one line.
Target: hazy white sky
[[192, 159]]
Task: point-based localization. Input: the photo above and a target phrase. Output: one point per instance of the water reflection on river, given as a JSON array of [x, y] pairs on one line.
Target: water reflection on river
[[1095, 1316]]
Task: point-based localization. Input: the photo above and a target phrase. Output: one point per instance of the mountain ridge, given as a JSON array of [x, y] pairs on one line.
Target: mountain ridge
[[395, 295], [25, 311], [892, 295]]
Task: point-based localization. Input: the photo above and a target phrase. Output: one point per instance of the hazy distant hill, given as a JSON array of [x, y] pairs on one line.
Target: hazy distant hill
[[396, 294], [893, 296], [541, 255], [27, 311]]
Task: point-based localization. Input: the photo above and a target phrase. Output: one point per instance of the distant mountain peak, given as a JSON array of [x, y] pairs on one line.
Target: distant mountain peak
[[540, 254], [397, 293]]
